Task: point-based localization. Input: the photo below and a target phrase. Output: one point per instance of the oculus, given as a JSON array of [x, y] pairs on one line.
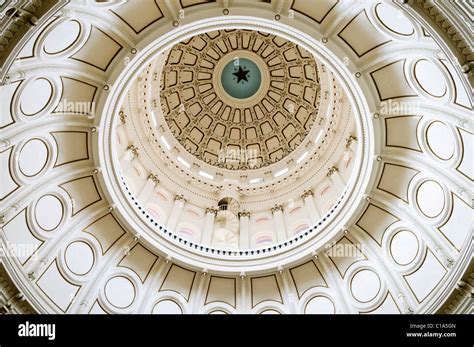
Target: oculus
[[241, 78]]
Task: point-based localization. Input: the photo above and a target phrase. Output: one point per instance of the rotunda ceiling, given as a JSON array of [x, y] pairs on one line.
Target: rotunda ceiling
[[114, 199]]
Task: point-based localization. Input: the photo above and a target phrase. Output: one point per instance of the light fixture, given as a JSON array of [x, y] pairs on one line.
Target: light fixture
[[167, 145], [300, 159], [320, 133], [153, 119], [184, 162], [206, 175], [281, 172], [256, 180]]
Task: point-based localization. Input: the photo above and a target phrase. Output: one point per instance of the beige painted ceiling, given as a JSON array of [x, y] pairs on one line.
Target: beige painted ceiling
[[69, 250]]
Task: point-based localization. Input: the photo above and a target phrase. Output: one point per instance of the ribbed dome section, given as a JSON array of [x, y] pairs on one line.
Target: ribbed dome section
[[206, 106]]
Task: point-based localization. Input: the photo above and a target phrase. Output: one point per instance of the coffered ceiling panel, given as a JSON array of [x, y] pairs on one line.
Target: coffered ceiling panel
[[388, 86], [206, 119], [222, 289], [375, 221], [17, 231], [83, 193], [361, 27], [179, 280], [395, 180], [71, 146], [317, 13], [57, 288], [423, 280], [106, 230], [307, 276], [402, 132], [265, 289], [98, 41], [139, 15], [8, 182], [140, 260], [345, 253]]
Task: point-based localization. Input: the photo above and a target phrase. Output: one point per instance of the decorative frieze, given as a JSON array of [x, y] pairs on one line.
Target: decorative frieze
[[244, 214], [180, 198]]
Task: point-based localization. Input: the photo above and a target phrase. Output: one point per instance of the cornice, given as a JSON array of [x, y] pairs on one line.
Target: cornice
[[15, 24], [455, 33], [12, 301]]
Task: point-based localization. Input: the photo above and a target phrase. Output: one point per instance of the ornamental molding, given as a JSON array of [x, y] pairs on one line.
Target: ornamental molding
[[180, 198], [211, 210], [460, 301], [444, 15], [12, 301], [153, 178], [244, 214], [277, 208], [16, 19], [306, 194]]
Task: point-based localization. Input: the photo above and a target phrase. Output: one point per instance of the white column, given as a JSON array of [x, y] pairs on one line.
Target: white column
[[128, 156], [279, 223], [311, 208], [244, 229], [336, 179], [175, 212], [147, 190], [206, 237]]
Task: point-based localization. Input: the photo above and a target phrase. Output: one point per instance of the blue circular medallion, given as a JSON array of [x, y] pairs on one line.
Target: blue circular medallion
[[241, 78]]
